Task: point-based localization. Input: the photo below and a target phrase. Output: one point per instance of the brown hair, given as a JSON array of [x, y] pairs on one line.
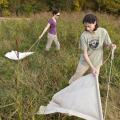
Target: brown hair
[[90, 18]]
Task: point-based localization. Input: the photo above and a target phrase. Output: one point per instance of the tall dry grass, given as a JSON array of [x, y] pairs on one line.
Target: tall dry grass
[[29, 83]]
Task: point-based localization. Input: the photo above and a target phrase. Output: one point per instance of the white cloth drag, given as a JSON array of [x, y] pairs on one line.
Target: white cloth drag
[[15, 55], [81, 99]]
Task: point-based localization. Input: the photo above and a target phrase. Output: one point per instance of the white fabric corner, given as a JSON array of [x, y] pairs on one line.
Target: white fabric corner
[[15, 55]]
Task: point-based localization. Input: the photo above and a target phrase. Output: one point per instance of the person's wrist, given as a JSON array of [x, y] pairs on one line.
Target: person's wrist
[[113, 46], [92, 67]]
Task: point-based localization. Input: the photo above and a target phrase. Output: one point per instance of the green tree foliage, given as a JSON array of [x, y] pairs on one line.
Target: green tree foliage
[[84, 4], [27, 7], [3, 3], [111, 6], [3, 6], [117, 1], [76, 5], [15, 6], [60, 4]]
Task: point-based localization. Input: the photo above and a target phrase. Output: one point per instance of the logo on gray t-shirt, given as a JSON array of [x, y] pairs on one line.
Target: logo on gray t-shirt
[[93, 44]]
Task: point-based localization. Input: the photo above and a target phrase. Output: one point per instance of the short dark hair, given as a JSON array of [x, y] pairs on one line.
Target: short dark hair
[[55, 11], [90, 18]]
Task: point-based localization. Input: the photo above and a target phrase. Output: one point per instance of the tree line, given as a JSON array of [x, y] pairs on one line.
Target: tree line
[[27, 7]]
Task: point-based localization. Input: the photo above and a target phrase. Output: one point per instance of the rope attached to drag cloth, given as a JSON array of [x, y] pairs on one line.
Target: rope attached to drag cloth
[[109, 81]]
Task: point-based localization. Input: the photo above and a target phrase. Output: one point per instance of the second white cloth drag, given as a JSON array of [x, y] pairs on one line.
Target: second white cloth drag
[[15, 55]]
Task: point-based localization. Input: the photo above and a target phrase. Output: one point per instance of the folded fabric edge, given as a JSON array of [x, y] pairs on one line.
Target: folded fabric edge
[[42, 110]]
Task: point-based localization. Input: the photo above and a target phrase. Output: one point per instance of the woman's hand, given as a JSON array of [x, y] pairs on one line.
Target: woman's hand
[[94, 71], [44, 31], [113, 46]]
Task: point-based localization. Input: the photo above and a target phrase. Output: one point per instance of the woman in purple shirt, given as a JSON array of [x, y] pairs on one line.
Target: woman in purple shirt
[[52, 33]]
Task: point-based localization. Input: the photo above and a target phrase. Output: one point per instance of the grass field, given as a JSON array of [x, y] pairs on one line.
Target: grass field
[[29, 83]]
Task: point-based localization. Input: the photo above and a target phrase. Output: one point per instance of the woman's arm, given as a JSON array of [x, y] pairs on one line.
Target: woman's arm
[[87, 59], [44, 31], [107, 40]]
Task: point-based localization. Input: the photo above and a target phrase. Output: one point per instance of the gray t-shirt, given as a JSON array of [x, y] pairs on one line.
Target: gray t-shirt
[[94, 44]]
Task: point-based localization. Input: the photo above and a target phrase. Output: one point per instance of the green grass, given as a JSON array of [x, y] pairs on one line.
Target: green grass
[[29, 83]]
